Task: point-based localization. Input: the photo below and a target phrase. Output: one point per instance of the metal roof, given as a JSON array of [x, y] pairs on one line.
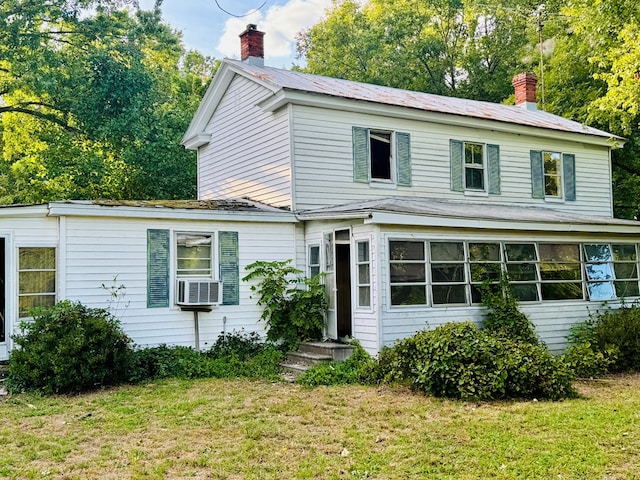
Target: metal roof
[[463, 210], [279, 79]]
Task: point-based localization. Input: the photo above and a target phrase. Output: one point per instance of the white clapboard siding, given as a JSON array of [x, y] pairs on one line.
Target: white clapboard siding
[[324, 172], [249, 152], [112, 251]]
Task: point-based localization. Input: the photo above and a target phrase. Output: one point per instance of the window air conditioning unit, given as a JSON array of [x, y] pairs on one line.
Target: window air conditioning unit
[[198, 292]]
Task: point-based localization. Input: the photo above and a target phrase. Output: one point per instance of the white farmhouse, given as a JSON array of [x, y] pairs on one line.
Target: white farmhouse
[[405, 200]]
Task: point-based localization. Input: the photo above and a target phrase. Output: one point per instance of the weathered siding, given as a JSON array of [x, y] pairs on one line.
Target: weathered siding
[[249, 151], [113, 252], [551, 318], [324, 176]]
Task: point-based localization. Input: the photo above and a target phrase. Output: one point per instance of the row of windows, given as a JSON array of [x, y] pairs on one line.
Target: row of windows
[[442, 273], [385, 156]]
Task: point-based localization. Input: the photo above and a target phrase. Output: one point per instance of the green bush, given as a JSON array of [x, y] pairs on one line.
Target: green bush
[[586, 362], [458, 360], [614, 334], [356, 369], [504, 319], [294, 307], [69, 348], [235, 355]]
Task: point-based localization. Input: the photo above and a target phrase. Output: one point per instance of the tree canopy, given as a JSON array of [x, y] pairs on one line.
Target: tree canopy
[[94, 98]]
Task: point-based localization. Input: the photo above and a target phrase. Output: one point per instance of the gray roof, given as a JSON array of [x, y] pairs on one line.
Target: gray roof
[[279, 79], [463, 210]]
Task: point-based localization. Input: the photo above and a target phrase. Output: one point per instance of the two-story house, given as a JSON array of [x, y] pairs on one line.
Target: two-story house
[[406, 201]]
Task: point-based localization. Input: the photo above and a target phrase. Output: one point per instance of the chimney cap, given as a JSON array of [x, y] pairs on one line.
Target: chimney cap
[[252, 45]]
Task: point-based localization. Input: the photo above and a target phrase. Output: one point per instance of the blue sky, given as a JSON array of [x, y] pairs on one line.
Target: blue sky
[[208, 29]]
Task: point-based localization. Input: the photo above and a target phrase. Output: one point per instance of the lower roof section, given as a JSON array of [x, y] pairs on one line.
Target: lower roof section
[[433, 212]]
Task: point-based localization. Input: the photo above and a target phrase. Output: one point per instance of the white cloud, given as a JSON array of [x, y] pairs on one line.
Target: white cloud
[[280, 23]]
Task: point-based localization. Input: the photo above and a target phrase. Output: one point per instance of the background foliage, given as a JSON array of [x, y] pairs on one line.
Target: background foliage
[[95, 97]]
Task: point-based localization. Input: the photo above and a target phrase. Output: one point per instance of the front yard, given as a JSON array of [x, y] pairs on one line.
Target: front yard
[[254, 430]]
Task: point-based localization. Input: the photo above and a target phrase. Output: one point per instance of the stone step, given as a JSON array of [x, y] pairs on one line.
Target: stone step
[[291, 371], [337, 351], [4, 371]]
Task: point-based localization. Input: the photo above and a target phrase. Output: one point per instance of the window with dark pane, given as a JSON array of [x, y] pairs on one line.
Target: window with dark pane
[[560, 271], [485, 264], [380, 143], [521, 262], [407, 268], [448, 275], [314, 260]]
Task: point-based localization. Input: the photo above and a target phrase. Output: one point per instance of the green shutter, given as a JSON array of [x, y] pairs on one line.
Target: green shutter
[[537, 174], [158, 248], [229, 269], [361, 154], [457, 157], [403, 158], [493, 164], [569, 175]]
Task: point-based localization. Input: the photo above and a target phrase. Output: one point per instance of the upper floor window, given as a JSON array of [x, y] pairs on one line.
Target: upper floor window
[[381, 156], [475, 167], [36, 278], [553, 175]]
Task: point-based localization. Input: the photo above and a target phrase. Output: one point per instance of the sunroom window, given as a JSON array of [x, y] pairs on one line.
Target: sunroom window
[[448, 272], [408, 272]]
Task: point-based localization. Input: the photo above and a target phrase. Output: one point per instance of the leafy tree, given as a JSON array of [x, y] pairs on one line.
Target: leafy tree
[[95, 98], [451, 47]]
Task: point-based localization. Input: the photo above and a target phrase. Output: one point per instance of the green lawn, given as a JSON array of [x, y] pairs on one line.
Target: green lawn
[[246, 430]]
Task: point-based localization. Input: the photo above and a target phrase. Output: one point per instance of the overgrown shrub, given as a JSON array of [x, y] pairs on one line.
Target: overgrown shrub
[[69, 348], [235, 355], [294, 307], [458, 360], [356, 369], [504, 319], [614, 334], [586, 362]]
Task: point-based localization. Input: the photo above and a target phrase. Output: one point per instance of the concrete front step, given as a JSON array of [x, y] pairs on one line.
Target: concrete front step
[[337, 351], [314, 353], [307, 358]]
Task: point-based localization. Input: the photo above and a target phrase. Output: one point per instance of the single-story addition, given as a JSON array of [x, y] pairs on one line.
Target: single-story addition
[[171, 257]]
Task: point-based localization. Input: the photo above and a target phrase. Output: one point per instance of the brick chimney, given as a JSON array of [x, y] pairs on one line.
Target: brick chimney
[[252, 46], [525, 87]]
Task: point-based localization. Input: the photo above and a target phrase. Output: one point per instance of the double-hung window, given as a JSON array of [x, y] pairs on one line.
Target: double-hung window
[[314, 260], [210, 256], [553, 175], [381, 156], [36, 278], [194, 255], [363, 265], [475, 167]]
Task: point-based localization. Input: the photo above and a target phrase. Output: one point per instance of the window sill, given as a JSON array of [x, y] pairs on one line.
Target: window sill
[[553, 200], [388, 185], [475, 193]]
